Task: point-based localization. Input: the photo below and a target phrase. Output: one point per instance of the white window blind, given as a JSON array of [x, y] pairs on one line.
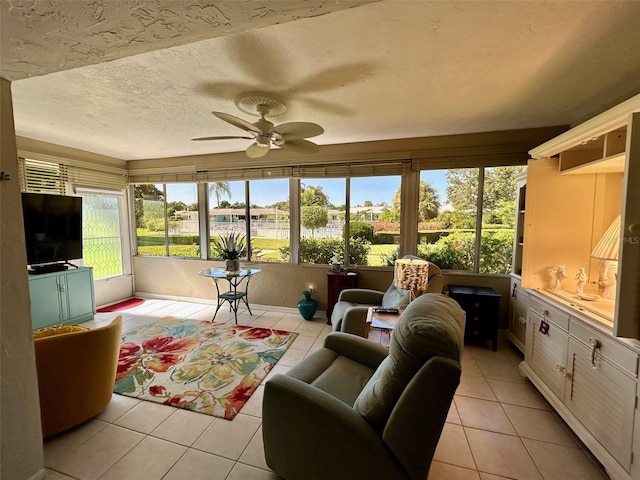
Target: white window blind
[[190, 175], [62, 176], [42, 177]]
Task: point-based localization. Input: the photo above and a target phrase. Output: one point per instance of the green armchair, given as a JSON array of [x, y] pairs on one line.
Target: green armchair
[[350, 311], [355, 409]]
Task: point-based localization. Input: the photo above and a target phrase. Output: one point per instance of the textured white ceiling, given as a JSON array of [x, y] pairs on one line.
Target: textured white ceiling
[[105, 78]]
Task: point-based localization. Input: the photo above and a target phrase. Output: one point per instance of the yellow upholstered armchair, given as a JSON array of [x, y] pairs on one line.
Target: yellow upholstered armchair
[[76, 372]]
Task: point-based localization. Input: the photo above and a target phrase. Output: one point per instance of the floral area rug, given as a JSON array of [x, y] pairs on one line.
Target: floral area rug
[[197, 365]]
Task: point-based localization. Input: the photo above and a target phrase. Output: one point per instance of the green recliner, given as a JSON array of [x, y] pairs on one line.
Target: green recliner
[[354, 409], [350, 312]]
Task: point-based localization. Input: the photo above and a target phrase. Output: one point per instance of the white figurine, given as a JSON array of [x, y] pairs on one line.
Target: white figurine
[[582, 278], [561, 273]]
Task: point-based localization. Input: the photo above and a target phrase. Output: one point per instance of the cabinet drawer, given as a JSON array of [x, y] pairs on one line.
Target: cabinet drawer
[[549, 313], [608, 348]]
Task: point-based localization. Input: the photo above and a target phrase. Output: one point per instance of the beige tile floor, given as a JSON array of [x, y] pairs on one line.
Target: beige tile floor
[[499, 427]]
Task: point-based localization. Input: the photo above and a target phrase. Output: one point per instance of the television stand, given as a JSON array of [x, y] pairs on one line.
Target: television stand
[[47, 268]]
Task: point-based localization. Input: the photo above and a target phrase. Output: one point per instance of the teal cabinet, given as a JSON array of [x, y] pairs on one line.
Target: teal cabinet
[[61, 297]]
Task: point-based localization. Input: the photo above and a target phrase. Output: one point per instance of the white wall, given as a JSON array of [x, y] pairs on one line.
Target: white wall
[[21, 456]]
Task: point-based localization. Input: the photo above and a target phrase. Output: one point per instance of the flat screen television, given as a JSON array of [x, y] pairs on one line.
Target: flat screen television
[[52, 227]]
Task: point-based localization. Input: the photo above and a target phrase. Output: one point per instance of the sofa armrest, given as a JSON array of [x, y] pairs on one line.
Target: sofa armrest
[[354, 321], [300, 422], [361, 295], [356, 348]]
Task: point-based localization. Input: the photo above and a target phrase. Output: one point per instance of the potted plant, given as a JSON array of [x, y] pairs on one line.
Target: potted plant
[[230, 248]]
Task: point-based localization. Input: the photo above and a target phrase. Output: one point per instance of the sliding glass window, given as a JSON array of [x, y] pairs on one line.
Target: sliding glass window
[[374, 216], [455, 232], [498, 219], [322, 220], [167, 219], [447, 217], [269, 220]]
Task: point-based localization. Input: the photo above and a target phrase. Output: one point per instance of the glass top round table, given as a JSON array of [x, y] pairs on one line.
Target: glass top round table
[[233, 296]]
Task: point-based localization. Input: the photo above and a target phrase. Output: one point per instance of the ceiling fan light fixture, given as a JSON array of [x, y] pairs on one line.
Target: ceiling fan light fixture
[[263, 140]]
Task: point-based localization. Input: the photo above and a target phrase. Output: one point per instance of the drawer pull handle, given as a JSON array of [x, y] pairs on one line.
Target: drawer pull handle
[[544, 328], [594, 358]]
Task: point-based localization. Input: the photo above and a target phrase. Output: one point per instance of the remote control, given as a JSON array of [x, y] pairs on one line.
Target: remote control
[[385, 310]]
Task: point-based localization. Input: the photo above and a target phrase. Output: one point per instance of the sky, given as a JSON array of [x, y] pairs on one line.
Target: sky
[[376, 189]]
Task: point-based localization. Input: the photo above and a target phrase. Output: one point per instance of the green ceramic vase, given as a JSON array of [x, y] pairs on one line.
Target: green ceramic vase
[[307, 306]]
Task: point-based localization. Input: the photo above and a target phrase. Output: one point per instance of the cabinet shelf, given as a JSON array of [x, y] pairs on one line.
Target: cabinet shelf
[[610, 164]]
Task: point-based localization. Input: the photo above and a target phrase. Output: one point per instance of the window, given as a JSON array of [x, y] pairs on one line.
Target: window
[[374, 214], [101, 235], [167, 222], [150, 219], [322, 220], [453, 233], [183, 237], [442, 218], [498, 219], [227, 210], [269, 219], [447, 217]]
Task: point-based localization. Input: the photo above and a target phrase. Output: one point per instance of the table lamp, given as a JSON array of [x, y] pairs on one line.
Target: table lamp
[[411, 274], [607, 251]]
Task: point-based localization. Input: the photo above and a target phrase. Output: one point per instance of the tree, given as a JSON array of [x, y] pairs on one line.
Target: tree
[[284, 206], [313, 217], [462, 188], [173, 207], [428, 203], [313, 196], [367, 203], [499, 184], [218, 189], [142, 193]]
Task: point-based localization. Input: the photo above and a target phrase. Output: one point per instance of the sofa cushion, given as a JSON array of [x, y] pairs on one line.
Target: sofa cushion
[[432, 325]]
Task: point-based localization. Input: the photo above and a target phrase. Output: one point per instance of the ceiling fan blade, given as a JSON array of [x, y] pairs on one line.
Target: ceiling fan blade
[[299, 145], [225, 137], [237, 122], [299, 129], [257, 151]]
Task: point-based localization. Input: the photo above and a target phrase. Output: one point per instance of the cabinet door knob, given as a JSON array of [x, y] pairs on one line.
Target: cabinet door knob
[[563, 370]]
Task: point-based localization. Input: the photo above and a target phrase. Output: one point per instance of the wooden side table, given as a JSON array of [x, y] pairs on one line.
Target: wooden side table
[[382, 321], [336, 282], [482, 307]]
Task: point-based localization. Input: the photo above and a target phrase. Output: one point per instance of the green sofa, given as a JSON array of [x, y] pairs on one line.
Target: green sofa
[[350, 311], [354, 409]]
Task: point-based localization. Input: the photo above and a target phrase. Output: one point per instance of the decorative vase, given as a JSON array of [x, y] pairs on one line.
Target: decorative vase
[[232, 265], [307, 306]]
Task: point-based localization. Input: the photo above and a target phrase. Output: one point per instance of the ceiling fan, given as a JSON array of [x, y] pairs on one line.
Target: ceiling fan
[[288, 136]]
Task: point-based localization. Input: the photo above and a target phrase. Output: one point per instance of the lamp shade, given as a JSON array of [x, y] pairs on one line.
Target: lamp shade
[[411, 274], [608, 246]]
